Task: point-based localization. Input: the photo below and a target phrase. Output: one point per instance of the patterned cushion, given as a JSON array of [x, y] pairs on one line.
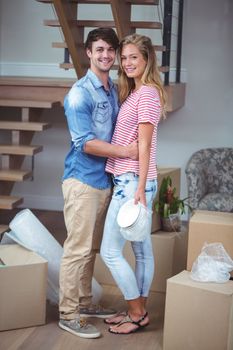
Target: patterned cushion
[[209, 175], [217, 202]]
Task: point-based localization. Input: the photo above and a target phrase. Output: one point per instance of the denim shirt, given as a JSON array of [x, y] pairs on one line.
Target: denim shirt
[[91, 114]]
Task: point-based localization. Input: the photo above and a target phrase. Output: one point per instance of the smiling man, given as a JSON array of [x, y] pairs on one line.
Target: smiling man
[[91, 108]]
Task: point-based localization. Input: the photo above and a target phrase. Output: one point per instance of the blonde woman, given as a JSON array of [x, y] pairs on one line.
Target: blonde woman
[[143, 102]]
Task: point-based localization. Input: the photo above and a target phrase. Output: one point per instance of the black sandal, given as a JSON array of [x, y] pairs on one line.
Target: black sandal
[[119, 314], [128, 319]]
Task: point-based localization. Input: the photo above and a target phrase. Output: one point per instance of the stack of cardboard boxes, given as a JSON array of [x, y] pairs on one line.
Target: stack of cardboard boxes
[[199, 315], [170, 248]]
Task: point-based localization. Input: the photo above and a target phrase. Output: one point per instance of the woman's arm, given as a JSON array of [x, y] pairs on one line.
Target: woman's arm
[[145, 132]]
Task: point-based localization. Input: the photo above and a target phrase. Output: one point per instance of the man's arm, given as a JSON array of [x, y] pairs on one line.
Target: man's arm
[[78, 112], [104, 149]]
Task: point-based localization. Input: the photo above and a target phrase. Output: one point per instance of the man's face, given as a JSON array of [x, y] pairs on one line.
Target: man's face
[[102, 56]]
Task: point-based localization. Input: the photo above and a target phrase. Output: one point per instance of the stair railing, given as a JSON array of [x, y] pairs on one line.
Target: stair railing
[[167, 37]]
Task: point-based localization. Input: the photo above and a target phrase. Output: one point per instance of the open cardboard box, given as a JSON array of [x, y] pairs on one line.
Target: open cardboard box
[[23, 276]]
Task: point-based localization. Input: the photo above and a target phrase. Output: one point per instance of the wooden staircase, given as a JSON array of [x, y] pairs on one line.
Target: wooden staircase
[[18, 146], [22, 103], [73, 29]]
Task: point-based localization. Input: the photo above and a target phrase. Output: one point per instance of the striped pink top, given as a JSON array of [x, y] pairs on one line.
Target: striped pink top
[[141, 106]]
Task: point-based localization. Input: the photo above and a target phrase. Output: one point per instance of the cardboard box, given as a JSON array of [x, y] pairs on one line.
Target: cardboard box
[[23, 276], [198, 316], [170, 252], [210, 227], [180, 251], [174, 173]]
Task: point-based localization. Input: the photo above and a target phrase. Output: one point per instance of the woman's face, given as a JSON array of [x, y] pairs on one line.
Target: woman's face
[[132, 61]]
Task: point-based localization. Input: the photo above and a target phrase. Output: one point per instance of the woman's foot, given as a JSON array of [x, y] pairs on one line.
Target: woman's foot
[[129, 325], [116, 319]]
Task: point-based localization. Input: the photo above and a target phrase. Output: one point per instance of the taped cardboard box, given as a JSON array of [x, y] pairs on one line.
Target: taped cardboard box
[[174, 173], [210, 227], [23, 276], [170, 252], [198, 315]]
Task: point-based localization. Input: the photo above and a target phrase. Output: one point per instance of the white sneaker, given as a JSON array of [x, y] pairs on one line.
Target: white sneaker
[[80, 328]]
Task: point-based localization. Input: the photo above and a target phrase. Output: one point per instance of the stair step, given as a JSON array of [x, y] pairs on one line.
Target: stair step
[[162, 69], [14, 175], [24, 126], [63, 45], [10, 202], [159, 47], [146, 25], [108, 24], [79, 1], [81, 23], [71, 66], [23, 150], [3, 228], [143, 2], [133, 2], [59, 45], [27, 103], [92, 1], [31, 83]]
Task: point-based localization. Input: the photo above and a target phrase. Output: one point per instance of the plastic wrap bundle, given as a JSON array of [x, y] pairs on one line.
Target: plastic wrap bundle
[[29, 232], [212, 265]]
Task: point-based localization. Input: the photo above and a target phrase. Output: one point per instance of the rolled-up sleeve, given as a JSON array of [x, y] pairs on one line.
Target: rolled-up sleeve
[[79, 107]]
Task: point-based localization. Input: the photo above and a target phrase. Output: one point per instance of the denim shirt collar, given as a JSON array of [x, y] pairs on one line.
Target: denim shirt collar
[[97, 83]]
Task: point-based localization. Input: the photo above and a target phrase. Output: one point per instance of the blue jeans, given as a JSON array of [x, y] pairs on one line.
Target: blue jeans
[[132, 284]]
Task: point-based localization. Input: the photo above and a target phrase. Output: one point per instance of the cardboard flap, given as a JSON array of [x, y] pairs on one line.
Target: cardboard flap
[[14, 254]]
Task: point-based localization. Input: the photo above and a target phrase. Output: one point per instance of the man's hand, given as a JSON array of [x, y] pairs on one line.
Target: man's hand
[[104, 149], [132, 150]]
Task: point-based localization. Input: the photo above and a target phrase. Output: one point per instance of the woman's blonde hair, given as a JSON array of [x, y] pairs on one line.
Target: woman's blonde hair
[[151, 75]]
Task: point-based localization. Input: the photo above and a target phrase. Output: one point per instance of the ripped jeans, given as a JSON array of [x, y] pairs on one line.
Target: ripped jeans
[[132, 284]]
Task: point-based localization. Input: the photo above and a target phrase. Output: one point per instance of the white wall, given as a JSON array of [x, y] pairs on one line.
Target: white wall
[[26, 44], [206, 120]]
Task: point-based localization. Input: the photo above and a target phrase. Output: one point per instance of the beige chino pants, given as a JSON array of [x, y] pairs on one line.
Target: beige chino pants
[[84, 212]]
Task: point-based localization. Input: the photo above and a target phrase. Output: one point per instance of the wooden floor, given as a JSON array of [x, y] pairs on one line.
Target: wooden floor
[[51, 337]]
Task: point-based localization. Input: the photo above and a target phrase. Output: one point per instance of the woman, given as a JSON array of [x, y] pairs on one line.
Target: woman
[[143, 100]]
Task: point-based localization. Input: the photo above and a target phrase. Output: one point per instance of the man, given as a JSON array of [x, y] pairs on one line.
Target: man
[[91, 108]]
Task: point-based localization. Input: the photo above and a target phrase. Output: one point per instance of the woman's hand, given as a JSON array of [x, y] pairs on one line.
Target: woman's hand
[[140, 196]]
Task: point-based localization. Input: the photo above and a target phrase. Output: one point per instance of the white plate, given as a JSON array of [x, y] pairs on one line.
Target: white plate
[[128, 214]]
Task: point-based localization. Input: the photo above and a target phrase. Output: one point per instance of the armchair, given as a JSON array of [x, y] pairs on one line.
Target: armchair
[[209, 174]]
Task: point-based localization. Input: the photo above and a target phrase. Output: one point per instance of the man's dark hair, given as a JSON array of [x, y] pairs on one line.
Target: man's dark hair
[[106, 34]]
